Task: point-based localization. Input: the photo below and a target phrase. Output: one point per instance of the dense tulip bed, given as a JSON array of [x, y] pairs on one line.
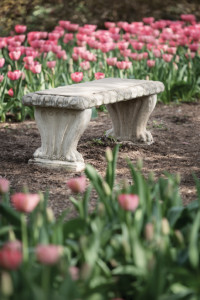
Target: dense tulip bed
[[163, 50], [139, 242]]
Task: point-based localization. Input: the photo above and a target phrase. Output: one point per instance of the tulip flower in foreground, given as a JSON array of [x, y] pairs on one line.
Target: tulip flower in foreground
[[78, 184], [25, 202], [48, 254], [11, 255], [128, 201], [11, 92]]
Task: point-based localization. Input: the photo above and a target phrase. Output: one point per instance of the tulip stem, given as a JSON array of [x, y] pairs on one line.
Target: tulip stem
[[45, 281], [24, 238]]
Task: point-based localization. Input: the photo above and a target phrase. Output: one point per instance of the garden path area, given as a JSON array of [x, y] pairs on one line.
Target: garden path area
[[176, 132]]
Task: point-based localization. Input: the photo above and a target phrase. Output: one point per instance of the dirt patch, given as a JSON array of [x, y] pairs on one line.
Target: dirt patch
[[176, 132]]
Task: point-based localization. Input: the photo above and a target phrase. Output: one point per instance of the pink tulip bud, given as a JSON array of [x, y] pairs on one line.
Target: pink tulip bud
[[78, 184], [128, 201], [11, 255], [2, 62], [4, 185], [74, 272], [77, 76], [99, 75], [149, 231], [25, 202], [11, 92], [48, 254]]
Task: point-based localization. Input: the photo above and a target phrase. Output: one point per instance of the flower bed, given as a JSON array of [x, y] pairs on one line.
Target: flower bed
[[139, 242], [162, 50]]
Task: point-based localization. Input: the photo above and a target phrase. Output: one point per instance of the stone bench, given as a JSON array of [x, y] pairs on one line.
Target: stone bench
[[62, 115]]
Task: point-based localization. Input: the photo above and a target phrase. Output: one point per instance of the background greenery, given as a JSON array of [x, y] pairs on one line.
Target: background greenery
[[44, 14]]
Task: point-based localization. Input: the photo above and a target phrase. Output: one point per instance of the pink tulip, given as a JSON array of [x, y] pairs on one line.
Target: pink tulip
[[194, 47], [13, 245], [11, 255], [77, 76], [1, 78], [36, 69], [156, 52], [28, 60], [85, 65], [167, 57], [109, 24], [128, 201], [15, 75], [63, 23], [188, 18], [111, 61], [87, 55], [78, 184], [2, 43], [48, 254], [20, 28], [62, 54], [99, 75], [149, 20], [25, 202], [75, 56], [51, 64], [151, 63], [72, 27], [114, 30], [190, 55], [122, 45], [53, 35], [4, 185], [2, 62], [20, 38], [11, 92], [123, 64], [74, 272], [15, 55]]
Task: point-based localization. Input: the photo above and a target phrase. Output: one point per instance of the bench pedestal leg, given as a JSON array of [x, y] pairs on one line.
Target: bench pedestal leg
[[60, 131], [130, 119]]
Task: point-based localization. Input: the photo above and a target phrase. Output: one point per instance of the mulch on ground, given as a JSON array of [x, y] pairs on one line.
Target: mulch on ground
[[176, 132]]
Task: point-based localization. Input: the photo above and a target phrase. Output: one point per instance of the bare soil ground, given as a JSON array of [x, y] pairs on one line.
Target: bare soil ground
[[176, 132]]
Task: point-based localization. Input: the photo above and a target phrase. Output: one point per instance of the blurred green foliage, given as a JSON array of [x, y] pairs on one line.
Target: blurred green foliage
[[44, 14]]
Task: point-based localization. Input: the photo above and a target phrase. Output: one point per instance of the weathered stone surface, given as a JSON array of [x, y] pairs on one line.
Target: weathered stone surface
[[62, 114], [60, 131], [93, 93], [130, 119]]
